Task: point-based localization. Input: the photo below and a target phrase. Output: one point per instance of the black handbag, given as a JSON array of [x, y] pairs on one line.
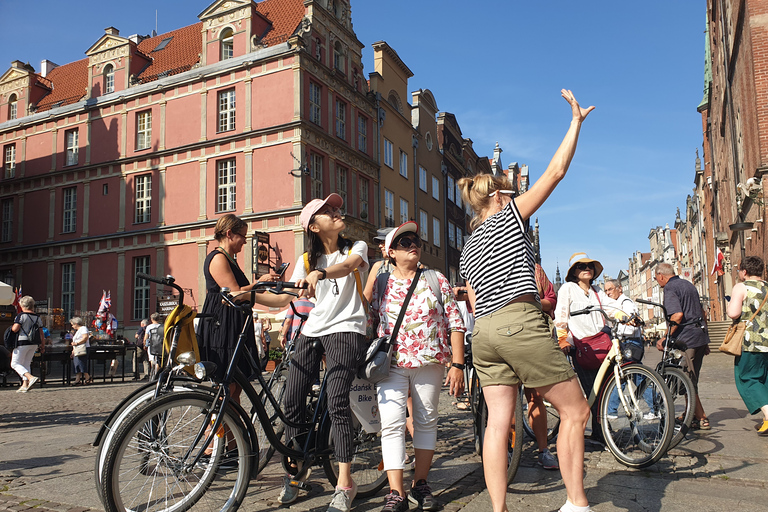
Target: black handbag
[[378, 357]]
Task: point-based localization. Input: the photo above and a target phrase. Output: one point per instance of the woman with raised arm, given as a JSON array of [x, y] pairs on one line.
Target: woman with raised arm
[[337, 323], [751, 367], [512, 340]]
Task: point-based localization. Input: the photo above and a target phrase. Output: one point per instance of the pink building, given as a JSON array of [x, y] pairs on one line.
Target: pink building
[[123, 161]]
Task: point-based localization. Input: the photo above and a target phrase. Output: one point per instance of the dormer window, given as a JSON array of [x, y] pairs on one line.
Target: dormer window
[[227, 44], [109, 79], [12, 107]]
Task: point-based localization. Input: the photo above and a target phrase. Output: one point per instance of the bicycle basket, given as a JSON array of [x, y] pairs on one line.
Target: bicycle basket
[[632, 350]]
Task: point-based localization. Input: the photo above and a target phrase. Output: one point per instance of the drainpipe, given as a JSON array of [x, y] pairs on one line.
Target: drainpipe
[[415, 145]]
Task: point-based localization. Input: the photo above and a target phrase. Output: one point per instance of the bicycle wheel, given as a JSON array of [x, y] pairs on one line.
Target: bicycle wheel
[[129, 404], [367, 462], [515, 447], [683, 393], [147, 467], [639, 435], [476, 397], [553, 418], [276, 386]]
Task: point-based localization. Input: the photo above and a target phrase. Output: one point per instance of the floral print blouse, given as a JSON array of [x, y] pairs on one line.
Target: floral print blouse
[[423, 337]]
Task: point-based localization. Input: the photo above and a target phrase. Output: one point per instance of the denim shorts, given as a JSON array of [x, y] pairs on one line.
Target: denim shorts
[[516, 344]]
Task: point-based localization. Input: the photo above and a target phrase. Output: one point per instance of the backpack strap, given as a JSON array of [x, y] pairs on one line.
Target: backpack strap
[[306, 262], [434, 284]]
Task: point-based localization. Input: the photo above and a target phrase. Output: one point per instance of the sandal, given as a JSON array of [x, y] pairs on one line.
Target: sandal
[[463, 406], [704, 424]]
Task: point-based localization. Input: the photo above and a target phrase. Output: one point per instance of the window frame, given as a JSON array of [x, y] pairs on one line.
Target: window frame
[[389, 208], [362, 133], [226, 193], [142, 212], [143, 130], [68, 288], [109, 79], [315, 103], [388, 153], [227, 43], [226, 112], [316, 176], [6, 233], [436, 231], [69, 209], [72, 147], [423, 222], [13, 107], [435, 188], [403, 164], [340, 114], [9, 161], [451, 234], [404, 207], [141, 288], [363, 197], [342, 181], [451, 186], [422, 178]]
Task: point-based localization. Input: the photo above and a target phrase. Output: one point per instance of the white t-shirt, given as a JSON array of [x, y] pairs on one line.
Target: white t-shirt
[[572, 297], [81, 333], [338, 307]]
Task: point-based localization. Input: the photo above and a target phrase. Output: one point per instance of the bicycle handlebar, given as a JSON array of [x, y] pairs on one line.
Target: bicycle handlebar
[[698, 320], [168, 280]]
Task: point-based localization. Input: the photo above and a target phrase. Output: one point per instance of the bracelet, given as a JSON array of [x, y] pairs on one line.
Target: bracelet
[[460, 366], [322, 271]]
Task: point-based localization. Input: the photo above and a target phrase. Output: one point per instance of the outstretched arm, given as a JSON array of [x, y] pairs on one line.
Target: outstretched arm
[[529, 202]]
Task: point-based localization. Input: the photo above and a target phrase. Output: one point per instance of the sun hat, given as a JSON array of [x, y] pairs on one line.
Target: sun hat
[[312, 207], [381, 235], [408, 227], [581, 257]]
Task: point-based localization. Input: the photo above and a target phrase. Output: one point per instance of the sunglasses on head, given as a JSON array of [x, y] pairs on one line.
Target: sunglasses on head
[[585, 266], [406, 243]]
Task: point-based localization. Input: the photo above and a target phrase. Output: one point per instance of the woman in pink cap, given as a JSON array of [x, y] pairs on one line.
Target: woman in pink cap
[[337, 323]]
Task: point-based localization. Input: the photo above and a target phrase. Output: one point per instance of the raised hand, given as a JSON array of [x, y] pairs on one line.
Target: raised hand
[[578, 113]]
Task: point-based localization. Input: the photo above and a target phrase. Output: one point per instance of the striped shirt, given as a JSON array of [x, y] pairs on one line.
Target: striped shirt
[[498, 261]]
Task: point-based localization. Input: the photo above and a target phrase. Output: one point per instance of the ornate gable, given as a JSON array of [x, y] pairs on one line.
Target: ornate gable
[[226, 11], [108, 47]]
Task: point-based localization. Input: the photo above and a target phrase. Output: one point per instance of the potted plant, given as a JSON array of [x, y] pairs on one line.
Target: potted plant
[[273, 359]]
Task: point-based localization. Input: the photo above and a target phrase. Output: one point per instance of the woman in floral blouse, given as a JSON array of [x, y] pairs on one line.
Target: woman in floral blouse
[[418, 362]]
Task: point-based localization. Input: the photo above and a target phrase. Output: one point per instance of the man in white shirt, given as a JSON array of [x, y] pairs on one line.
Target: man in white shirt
[[614, 290]]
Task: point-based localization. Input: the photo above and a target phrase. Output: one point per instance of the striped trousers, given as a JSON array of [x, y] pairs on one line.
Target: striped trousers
[[344, 352]]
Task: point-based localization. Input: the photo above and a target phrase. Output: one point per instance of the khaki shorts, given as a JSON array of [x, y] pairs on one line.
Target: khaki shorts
[[515, 344]]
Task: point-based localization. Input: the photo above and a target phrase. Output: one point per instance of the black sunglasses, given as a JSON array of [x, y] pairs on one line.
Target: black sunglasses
[[406, 243], [585, 266]]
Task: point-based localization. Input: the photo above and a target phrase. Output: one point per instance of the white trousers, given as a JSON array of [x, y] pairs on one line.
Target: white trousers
[[424, 383], [21, 361]]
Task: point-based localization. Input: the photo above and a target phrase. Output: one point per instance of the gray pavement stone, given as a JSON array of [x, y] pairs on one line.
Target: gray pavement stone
[[46, 461]]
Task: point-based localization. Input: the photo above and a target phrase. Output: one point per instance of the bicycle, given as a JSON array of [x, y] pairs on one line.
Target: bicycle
[[639, 431], [193, 450], [674, 368], [480, 421], [553, 418]]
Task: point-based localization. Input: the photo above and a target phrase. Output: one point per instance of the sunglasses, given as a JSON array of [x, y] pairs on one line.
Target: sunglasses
[[406, 243], [510, 192], [585, 266]]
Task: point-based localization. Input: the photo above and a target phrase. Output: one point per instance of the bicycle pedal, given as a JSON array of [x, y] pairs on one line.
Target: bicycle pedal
[[304, 486]]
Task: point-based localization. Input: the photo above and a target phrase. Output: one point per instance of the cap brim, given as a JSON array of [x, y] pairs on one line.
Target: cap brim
[[407, 227]]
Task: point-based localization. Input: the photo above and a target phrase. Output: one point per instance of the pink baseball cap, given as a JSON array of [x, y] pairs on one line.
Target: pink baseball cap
[[406, 227], [312, 207]]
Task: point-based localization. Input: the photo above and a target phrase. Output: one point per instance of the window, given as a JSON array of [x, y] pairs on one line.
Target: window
[[364, 184], [362, 133], [403, 164], [227, 44], [71, 138], [315, 104], [403, 211], [451, 234], [389, 209], [109, 79], [69, 216], [459, 238], [436, 231], [7, 228], [227, 110], [143, 198], [141, 288], [458, 195], [143, 130], [162, 44], [454, 275], [341, 119], [388, 153], [435, 188], [422, 178], [13, 107], [10, 160], [338, 56], [341, 183], [451, 187], [316, 176], [423, 220], [68, 289], [225, 185]]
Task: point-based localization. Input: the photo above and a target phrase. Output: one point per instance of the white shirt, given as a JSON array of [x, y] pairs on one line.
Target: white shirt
[[338, 307], [81, 333], [572, 297], [629, 308]]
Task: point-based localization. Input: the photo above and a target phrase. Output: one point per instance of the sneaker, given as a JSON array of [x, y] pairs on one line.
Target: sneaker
[[395, 503], [289, 492], [421, 496], [569, 507], [22, 389], [32, 382], [342, 499], [612, 416], [763, 429], [651, 416], [547, 460]]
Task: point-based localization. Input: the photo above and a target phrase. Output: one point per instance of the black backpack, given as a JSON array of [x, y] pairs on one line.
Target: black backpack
[[10, 338], [156, 341], [33, 338]]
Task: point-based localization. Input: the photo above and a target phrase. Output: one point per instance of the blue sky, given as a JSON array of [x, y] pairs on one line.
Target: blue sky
[[499, 65]]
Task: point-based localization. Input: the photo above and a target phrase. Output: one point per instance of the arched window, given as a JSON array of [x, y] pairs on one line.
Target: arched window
[[109, 79], [227, 44], [338, 56], [12, 107]]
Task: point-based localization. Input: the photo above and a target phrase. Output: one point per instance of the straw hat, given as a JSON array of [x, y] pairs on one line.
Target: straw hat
[[581, 257]]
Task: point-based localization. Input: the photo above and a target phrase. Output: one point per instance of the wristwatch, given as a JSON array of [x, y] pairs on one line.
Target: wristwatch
[[460, 366], [322, 271]]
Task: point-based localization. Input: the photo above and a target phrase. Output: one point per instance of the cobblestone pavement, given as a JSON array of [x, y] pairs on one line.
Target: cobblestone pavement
[[47, 460]]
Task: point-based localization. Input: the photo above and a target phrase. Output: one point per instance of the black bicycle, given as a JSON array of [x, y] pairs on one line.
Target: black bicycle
[[194, 450]]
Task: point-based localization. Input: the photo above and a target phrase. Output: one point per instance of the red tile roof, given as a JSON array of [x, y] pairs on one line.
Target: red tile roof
[[179, 55], [68, 82], [285, 16]]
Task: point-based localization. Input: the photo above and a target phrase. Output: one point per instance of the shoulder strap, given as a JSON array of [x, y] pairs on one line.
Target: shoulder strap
[[393, 334], [434, 284], [306, 262], [758, 309], [381, 284]]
